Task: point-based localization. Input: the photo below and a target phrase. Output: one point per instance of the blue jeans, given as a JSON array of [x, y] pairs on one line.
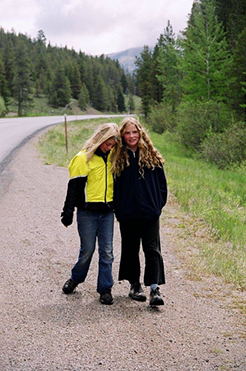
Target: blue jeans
[[92, 225]]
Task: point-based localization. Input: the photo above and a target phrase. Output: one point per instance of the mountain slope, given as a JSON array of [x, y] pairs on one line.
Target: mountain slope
[[127, 57]]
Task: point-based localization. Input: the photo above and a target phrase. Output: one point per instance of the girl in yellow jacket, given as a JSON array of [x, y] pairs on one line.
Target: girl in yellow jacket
[[90, 190]]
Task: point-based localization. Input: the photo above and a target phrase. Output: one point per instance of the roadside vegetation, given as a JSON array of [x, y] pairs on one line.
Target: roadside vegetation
[[213, 197], [193, 84]]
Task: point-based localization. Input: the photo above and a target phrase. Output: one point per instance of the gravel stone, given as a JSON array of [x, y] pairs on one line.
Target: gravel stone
[[42, 329]]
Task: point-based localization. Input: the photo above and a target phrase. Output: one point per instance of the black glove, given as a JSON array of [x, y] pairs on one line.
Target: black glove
[[66, 219]]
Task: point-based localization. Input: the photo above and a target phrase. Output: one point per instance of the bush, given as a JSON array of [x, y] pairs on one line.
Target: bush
[[226, 149], [161, 118], [2, 107], [195, 120]]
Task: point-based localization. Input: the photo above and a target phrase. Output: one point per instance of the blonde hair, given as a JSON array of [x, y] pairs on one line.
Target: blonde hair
[[148, 154], [104, 132]]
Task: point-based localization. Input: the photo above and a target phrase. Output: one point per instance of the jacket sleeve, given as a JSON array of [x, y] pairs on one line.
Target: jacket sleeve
[[78, 171], [74, 191], [163, 185]]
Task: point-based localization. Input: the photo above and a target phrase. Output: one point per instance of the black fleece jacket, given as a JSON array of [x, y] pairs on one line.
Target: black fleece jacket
[[136, 196]]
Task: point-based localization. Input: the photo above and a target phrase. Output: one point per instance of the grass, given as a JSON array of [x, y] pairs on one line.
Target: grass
[[214, 197]]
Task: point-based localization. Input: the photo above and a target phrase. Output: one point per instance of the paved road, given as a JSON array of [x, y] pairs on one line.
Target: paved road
[[16, 131]]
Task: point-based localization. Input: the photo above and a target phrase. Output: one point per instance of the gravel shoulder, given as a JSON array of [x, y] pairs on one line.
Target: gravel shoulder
[[42, 329]]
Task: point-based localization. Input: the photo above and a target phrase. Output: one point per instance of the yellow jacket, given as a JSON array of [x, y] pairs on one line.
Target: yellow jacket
[[99, 180], [90, 186]]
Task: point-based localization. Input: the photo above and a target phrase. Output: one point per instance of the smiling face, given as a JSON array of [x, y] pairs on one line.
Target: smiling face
[[107, 145], [131, 136]]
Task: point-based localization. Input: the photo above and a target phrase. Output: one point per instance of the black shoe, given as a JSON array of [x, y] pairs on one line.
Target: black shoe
[[106, 298], [136, 292], [155, 297], [69, 286]]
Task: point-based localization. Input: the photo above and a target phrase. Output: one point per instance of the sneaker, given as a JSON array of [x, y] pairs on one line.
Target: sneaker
[[136, 292], [155, 297], [106, 298], [69, 286]]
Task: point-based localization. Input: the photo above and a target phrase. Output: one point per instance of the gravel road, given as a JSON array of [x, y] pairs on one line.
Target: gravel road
[[42, 329]]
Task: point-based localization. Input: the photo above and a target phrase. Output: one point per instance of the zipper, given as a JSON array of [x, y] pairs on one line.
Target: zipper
[[106, 180], [135, 177], [134, 153]]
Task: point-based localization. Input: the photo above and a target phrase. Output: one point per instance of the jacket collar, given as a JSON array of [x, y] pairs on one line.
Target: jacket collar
[[100, 153], [134, 154]]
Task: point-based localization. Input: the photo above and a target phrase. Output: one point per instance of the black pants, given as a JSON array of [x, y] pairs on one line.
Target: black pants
[[132, 233]]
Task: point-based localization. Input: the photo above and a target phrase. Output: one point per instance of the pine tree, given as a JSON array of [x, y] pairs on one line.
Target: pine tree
[[89, 81], [2, 107], [121, 101], [238, 93], [124, 83], [131, 83], [102, 96], [167, 68], [206, 61], [22, 77], [60, 92], [112, 99], [232, 14], [8, 60], [4, 91], [84, 98], [143, 76], [40, 63], [72, 72], [156, 86]]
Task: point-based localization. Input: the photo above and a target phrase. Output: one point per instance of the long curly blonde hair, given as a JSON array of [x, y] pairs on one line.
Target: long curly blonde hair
[[103, 132], [148, 154]]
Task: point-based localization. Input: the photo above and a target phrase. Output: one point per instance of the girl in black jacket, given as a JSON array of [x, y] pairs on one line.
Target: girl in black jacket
[[140, 192]]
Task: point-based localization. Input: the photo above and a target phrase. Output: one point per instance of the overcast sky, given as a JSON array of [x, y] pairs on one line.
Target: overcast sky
[[95, 26]]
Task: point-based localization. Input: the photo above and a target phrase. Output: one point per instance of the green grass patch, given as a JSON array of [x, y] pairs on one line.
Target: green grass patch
[[222, 260], [216, 196]]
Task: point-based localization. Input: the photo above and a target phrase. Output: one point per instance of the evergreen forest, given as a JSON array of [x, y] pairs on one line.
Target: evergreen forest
[[192, 85], [32, 68]]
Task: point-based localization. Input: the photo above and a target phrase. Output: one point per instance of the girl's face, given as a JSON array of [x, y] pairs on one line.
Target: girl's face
[[107, 145], [131, 136]]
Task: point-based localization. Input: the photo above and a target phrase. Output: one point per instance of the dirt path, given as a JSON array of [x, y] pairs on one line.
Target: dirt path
[[42, 329]]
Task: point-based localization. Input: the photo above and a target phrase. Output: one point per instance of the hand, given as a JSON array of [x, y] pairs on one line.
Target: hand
[[66, 219]]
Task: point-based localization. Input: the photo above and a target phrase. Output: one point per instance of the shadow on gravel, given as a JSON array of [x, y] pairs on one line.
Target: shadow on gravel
[[76, 308]]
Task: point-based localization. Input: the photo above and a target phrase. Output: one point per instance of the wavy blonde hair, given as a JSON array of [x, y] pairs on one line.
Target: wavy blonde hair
[[148, 154], [103, 133]]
